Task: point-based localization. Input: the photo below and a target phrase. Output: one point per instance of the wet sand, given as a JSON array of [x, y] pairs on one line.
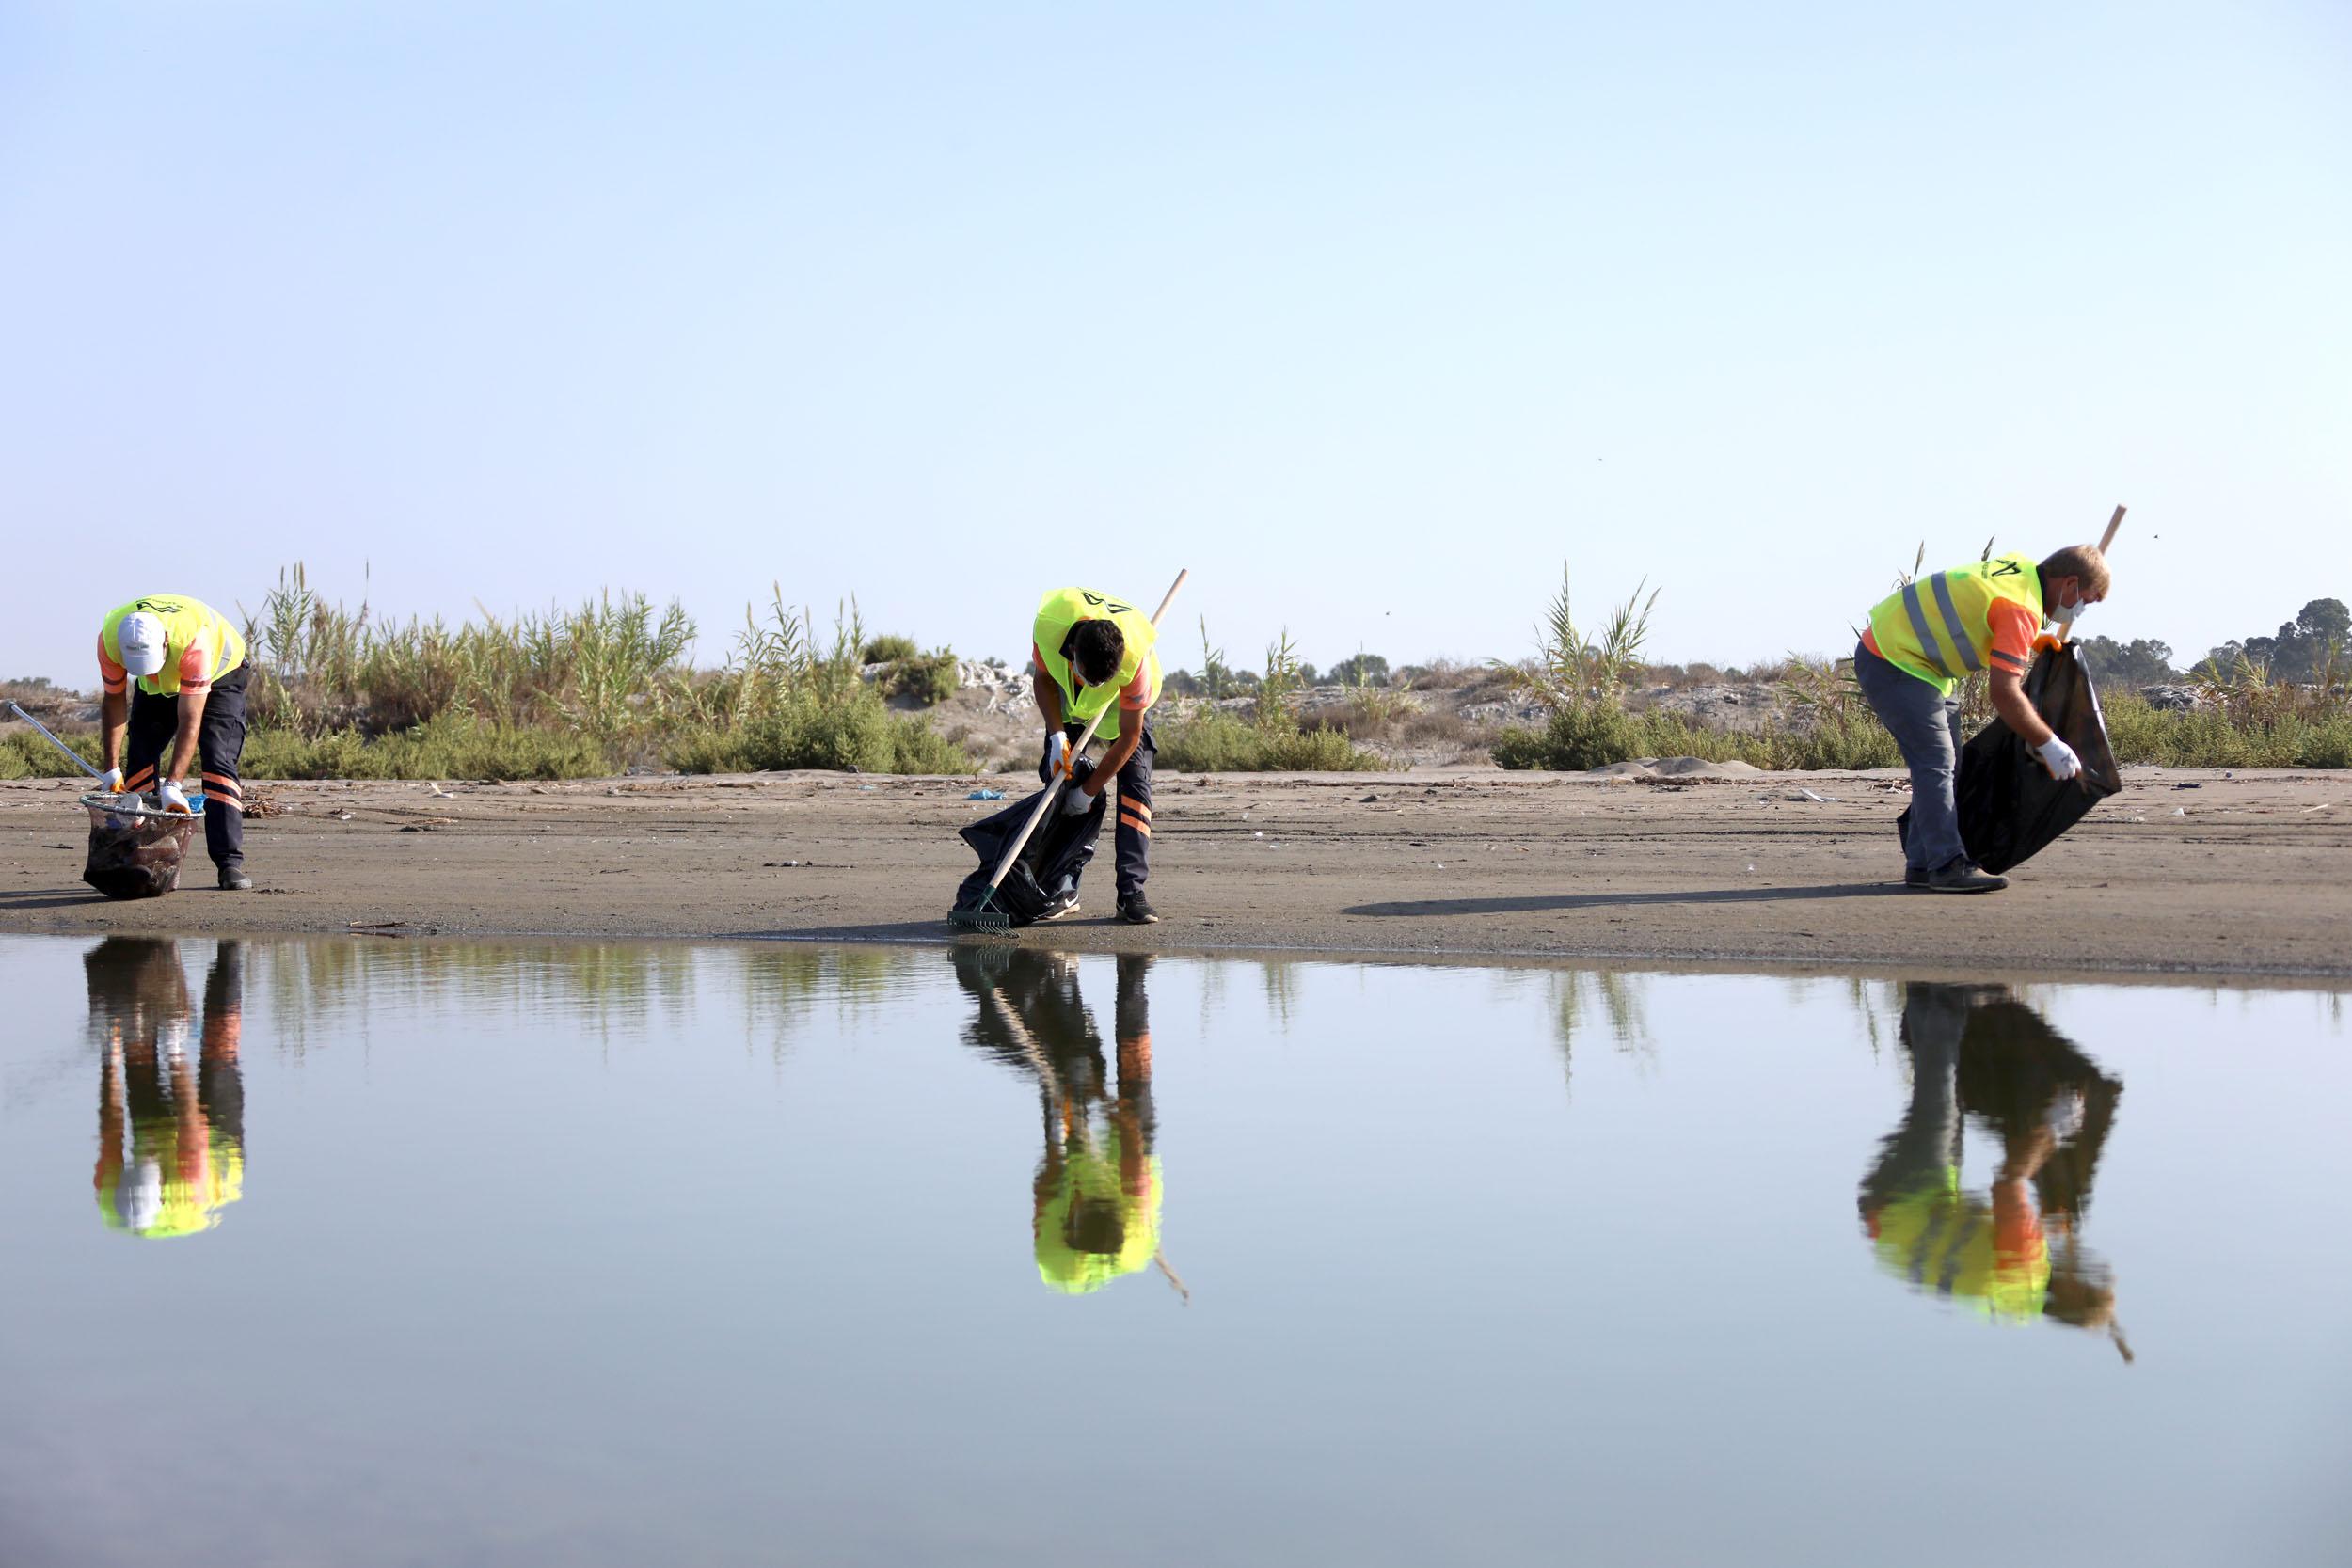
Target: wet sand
[[2248, 876]]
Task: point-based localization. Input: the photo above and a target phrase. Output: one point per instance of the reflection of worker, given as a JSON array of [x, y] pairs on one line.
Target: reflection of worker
[[1096, 1200], [170, 1131], [174, 673], [1976, 1051], [1922, 640], [1086, 649]]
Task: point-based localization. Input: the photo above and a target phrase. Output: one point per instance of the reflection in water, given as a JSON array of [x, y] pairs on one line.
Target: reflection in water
[[1096, 1200], [1976, 1051], [170, 1130]]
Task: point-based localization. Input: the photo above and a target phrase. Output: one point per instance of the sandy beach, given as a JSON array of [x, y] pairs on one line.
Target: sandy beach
[[2184, 872]]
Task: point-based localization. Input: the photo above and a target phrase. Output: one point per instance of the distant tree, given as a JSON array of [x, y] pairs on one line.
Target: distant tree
[[2320, 631], [1181, 683], [2142, 661], [1307, 675], [1359, 669]]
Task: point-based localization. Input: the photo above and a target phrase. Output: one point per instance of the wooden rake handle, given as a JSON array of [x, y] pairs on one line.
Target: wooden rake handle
[[2115, 526], [1054, 786]]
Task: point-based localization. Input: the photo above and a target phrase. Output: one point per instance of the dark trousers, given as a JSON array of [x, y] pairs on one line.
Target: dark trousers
[[220, 744], [1134, 836]]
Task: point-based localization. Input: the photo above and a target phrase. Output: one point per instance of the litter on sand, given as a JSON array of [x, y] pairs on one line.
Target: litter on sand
[[986, 795]]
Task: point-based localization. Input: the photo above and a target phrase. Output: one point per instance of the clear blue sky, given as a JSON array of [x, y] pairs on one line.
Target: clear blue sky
[[1371, 315]]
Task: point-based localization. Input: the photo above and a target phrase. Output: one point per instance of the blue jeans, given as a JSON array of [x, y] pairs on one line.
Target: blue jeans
[[1926, 726]]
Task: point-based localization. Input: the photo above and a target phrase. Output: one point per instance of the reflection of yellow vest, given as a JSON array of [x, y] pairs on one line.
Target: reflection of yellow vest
[[1063, 608], [1939, 629], [1095, 1177], [187, 623], [1941, 1240], [179, 1206]]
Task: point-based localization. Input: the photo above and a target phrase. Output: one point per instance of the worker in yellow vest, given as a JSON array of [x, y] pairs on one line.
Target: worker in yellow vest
[[170, 1128], [1087, 650], [174, 673], [1094, 1213], [1978, 1051], [1928, 637]]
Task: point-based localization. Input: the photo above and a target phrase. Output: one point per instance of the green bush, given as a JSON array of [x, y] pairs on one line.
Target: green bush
[[929, 678], [2211, 737], [26, 755], [1582, 738], [449, 747], [858, 734], [890, 649], [1215, 741]]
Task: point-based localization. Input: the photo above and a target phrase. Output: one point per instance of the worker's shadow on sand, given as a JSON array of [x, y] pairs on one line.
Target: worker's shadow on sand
[[49, 898], [1427, 907]]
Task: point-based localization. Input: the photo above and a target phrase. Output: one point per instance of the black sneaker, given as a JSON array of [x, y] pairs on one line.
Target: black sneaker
[[1963, 876], [1914, 875], [1136, 911], [233, 880], [1063, 903]]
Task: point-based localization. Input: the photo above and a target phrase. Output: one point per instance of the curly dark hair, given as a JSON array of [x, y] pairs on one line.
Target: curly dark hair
[[1095, 650]]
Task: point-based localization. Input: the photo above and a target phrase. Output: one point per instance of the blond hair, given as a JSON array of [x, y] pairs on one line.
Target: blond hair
[[2078, 560]]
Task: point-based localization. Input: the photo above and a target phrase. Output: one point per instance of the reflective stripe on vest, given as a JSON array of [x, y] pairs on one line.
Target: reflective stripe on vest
[[1955, 638], [1925, 633], [1953, 624]]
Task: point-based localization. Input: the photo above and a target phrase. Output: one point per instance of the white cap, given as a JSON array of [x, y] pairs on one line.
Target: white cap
[[141, 637]]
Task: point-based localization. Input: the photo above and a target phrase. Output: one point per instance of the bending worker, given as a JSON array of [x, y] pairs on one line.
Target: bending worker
[[1088, 648], [188, 666], [1923, 640]]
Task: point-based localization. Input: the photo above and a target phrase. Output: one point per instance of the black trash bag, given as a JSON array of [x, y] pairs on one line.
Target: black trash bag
[[135, 850], [2010, 809], [1058, 851]]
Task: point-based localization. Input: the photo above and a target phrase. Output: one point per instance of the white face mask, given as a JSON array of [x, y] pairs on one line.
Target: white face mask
[[2066, 615]]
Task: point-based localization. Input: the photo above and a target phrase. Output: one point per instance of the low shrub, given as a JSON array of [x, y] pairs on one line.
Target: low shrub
[[449, 747], [929, 678], [889, 649], [26, 755], [1215, 741], [2211, 737], [1584, 738], [856, 736]]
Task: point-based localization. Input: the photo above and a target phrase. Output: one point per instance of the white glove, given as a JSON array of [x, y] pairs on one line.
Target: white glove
[[112, 783], [1056, 754], [174, 798], [1076, 802], [2059, 758]]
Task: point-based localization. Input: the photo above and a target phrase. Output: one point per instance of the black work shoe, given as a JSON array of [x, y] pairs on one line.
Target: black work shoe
[[1136, 911], [1914, 875], [1964, 877], [233, 880], [1063, 903]]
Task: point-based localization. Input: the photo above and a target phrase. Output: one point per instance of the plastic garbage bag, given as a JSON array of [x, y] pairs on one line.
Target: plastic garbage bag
[[2010, 809], [134, 848], [1056, 852]]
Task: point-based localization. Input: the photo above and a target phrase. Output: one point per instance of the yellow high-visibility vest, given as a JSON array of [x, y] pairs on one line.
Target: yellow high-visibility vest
[[1941, 1240], [1092, 1177], [1063, 608], [1939, 629], [188, 623]]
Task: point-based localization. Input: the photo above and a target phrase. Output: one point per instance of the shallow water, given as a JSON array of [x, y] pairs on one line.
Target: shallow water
[[380, 1252]]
